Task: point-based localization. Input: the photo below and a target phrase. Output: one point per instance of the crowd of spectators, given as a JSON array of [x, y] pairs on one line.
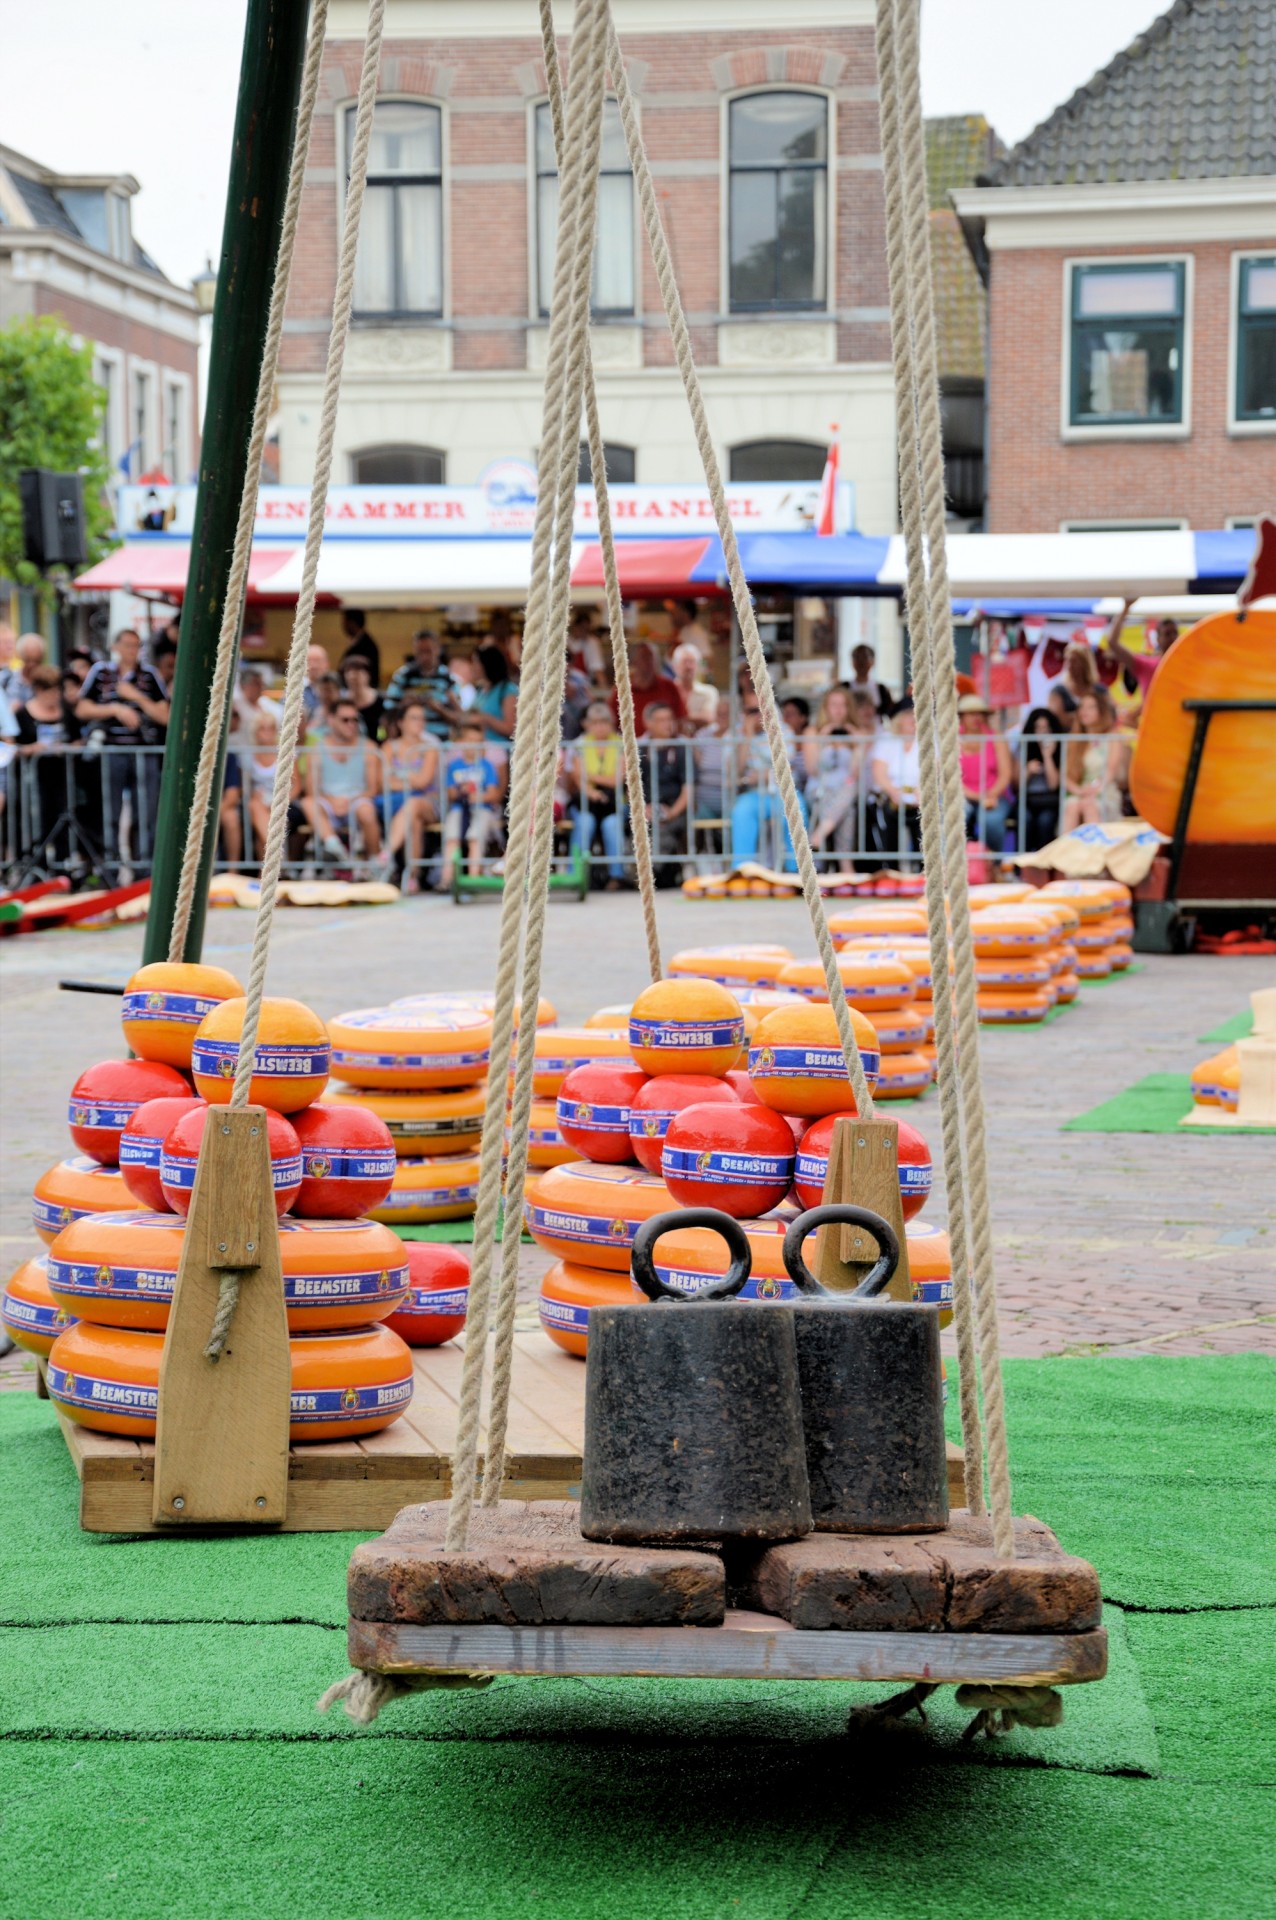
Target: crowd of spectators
[[407, 773]]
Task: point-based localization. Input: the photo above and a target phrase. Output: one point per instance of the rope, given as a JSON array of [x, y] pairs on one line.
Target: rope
[[241, 553], [364, 1693], [919, 617], [998, 1709], [941, 791], [543, 696], [735, 572], [290, 726], [611, 578]]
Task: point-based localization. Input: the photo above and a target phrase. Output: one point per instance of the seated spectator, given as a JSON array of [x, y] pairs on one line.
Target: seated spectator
[[795, 712], [18, 681], [461, 673], [834, 755], [585, 649], [1041, 775], [863, 681], [595, 767], [711, 758], [1063, 707], [318, 667], [666, 791], [258, 764], [1080, 674], [124, 708], [424, 673], [684, 618], [474, 783], [986, 773], [758, 804], [358, 684], [359, 643], [699, 697], [1094, 769], [895, 772], [230, 817], [496, 694], [650, 686], [409, 804], [341, 779], [45, 727], [164, 662]]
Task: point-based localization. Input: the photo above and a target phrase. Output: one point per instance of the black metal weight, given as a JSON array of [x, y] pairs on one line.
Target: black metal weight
[[872, 1394], [693, 1427]]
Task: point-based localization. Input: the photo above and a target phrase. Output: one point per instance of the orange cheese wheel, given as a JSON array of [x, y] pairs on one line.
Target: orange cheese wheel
[[290, 1059], [796, 1063], [1028, 970], [1094, 965], [1216, 1082], [999, 893], [1121, 954], [915, 954], [903, 1029], [1009, 933], [902, 1076], [477, 999], [871, 985], [1089, 898], [1002, 1008], [613, 1019], [73, 1188], [1064, 917], [546, 1146], [569, 1291], [439, 1122], [30, 1314], [588, 1211], [560, 1049], [686, 1026], [732, 966], [878, 918], [441, 1186], [119, 1270], [409, 1049], [343, 1384], [1066, 986], [165, 1002]]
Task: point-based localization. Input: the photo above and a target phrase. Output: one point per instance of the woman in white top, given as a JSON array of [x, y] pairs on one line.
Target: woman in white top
[[896, 775], [834, 752]]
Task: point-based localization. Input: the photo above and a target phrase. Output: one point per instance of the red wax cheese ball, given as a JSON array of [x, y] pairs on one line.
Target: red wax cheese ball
[[290, 1059], [438, 1293], [142, 1143], [739, 1159], [594, 1105], [656, 1104], [686, 1026], [796, 1061], [347, 1162], [915, 1170], [179, 1157], [744, 1087], [106, 1096], [164, 1004]]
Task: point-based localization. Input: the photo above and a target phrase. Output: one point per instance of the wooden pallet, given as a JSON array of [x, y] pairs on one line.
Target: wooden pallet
[[359, 1485]]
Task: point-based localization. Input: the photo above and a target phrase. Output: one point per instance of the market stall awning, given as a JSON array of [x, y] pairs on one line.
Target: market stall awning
[[161, 566], [654, 566], [372, 572], [999, 565]]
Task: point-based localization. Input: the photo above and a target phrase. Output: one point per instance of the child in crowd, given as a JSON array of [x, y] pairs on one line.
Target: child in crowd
[[474, 783]]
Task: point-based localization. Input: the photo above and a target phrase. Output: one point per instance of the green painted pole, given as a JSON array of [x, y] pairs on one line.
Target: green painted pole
[[269, 88]]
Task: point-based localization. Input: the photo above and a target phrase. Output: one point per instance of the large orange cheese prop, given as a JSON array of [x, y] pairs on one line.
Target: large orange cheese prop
[[686, 1026], [1223, 658], [290, 1059], [796, 1061], [164, 1004]]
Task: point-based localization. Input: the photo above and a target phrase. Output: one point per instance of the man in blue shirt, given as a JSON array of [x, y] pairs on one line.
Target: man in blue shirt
[[425, 674]]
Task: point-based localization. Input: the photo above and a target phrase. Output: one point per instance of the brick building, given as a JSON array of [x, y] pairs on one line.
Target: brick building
[[1129, 248], [67, 248], [765, 149]]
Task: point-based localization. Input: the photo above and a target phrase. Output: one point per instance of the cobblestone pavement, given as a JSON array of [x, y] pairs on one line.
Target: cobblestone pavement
[[1105, 1243]]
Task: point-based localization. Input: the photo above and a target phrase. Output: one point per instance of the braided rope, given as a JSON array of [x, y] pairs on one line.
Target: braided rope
[[940, 770], [611, 578], [550, 550], [303, 622], [932, 826], [807, 874], [241, 553]]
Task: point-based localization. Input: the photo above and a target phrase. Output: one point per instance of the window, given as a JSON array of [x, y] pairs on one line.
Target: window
[[399, 267], [621, 465], [1127, 344], [613, 284], [118, 228], [398, 467], [1123, 526], [778, 460], [1256, 339], [173, 458], [107, 374], [778, 202], [139, 427]]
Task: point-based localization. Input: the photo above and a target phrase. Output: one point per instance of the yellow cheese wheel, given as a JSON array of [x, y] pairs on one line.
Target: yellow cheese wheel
[[73, 1188], [878, 917], [439, 1122], [686, 1026], [164, 1004], [559, 1049], [743, 965], [441, 1186], [475, 999], [796, 1063], [546, 1146], [1009, 932], [408, 1051], [613, 1019], [1216, 1082], [902, 1076], [588, 1211], [1003, 1008], [871, 984], [290, 1059], [30, 1314], [343, 1384], [569, 1291], [1089, 898], [1066, 986], [999, 893], [903, 1029]]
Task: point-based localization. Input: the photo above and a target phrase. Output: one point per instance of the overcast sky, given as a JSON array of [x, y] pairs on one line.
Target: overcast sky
[[104, 85]]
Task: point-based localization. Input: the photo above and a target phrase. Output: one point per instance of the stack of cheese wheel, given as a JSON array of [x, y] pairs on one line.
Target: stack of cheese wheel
[[1104, 910], [884, 988], [420, 1065], [1014, 964], [735, 966], [1216, 1082], [30, 1314]]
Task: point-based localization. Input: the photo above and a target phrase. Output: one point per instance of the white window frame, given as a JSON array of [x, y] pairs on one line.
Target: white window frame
[[1127, 429], [112, 444], [445, 222], [150, 371], [179, 383], [795, 316], [534, 314], [1158, 523], [1240, 522], [1245, 429]]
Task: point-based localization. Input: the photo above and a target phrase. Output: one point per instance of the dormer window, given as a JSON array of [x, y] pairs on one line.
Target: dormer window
[[118, 226]]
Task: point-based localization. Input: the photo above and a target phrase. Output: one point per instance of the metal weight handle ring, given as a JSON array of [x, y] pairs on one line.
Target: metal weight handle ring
[[878, 1275], [642, 1254]]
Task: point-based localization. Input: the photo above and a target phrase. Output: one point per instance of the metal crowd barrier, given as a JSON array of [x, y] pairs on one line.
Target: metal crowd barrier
[[90, 811]]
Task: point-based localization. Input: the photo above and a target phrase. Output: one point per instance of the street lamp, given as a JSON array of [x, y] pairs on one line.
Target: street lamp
[[204, 288]]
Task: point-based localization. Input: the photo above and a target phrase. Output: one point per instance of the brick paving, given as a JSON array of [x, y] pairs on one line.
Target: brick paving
[[1105, 1243]]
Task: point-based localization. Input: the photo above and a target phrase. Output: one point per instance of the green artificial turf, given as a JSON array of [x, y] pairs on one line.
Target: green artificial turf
[[1154, 1104], [1239, 1027]]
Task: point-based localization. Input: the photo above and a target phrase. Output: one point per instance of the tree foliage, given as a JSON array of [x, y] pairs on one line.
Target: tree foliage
[[50, 416]]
